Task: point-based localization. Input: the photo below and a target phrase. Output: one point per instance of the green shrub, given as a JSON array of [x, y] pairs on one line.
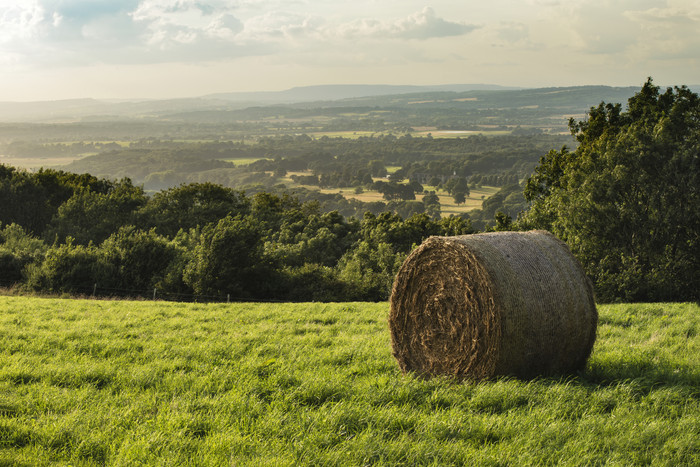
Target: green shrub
[[17, 250], [141, 260], [228, 260], [70, 268]]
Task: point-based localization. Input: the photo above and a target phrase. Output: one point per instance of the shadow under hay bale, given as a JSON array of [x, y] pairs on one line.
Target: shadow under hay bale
[[484, 305]]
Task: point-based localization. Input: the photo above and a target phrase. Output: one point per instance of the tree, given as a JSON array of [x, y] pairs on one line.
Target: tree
[[228, 259], [627, 200], [32, 199], [69, 268], [459, 197], [17, 250], [369, 270], [401, 234], [377, 168], [91, 216], [393, 191], [416, 186], [431, 201], [187, 206], [454, 225], [457, 185], [141, 260], [503, 222]]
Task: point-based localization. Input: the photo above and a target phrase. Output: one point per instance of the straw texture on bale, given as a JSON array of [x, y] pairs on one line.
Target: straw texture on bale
[[484, 305]]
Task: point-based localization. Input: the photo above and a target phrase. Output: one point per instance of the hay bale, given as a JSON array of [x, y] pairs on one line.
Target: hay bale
[[502, 303]]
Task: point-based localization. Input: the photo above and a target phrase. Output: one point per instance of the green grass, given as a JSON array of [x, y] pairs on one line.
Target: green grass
[[244, 160], [113, 382]]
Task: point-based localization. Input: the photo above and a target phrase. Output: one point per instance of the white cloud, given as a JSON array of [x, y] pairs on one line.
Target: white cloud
[[670, 32], [514, 32], [423, 25], [19, 21], [64, 32], [283, 25], [616, 28]]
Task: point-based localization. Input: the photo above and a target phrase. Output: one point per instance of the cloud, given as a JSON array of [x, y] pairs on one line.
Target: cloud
[[422, 26], [670, 32], [81, 32], [282, 25], [47, 33], [513, 33], [621, 28], [67, 19], [546, 3]]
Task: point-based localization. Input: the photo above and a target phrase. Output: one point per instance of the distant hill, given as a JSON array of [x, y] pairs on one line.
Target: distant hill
[[332, 92], [575, 97], [453, 96], [94, 109], [546, 108]]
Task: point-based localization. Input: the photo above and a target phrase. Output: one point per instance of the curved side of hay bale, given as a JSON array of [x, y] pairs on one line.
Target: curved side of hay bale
[[502, 303]]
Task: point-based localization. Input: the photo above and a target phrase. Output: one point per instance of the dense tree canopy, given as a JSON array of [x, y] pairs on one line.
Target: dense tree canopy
[[199, 240], [627, 199]]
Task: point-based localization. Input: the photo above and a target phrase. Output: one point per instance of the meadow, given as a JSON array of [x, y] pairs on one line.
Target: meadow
[[88, 382]]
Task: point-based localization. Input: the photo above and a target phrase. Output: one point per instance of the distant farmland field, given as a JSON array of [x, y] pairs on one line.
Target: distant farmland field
[[115, 382], [245, 160], [447, 204]]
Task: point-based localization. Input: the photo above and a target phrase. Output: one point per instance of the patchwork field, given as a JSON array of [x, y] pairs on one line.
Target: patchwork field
[[447, 204], [87, 382]]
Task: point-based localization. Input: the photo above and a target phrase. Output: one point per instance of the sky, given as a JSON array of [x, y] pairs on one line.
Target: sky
[[124, 49]]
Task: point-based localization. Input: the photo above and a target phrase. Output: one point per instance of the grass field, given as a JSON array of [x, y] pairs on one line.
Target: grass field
[[114, 382], [447, 204], [244, 160]]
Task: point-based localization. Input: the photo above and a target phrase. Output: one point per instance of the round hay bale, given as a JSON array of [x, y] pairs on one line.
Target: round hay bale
[[502, 303]]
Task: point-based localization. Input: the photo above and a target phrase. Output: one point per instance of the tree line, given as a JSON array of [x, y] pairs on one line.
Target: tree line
[[63, 232]]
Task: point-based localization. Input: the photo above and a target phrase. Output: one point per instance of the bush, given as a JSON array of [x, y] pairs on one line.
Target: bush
[[369, 271], [18, 249], [312, 282], [228, 260], [141, 260], [69, 268]]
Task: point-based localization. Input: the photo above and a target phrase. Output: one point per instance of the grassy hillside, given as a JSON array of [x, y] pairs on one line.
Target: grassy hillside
[[115, 382]]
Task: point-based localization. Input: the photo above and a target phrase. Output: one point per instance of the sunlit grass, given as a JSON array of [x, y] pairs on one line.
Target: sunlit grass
[[244, 160], [448, 206], [116, 382]]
